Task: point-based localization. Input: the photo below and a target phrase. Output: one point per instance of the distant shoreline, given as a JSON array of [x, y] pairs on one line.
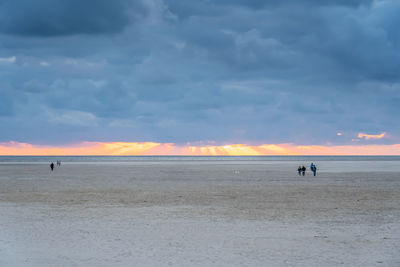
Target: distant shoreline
[[8, 159]]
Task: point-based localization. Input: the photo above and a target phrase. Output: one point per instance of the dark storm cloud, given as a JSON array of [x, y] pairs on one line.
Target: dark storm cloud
[[185, 9], [184, 71], [334, 42], [266, 3], [66, 17]]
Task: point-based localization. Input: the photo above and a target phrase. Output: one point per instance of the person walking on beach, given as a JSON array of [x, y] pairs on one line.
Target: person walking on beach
[[52, 166], [299, 170], [303, 170], [314, 169]]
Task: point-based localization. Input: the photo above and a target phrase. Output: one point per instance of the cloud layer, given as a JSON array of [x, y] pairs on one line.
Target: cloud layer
[[59, 17], [229, 71]]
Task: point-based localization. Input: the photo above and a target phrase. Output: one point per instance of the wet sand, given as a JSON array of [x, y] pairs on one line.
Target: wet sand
[[238, 213]]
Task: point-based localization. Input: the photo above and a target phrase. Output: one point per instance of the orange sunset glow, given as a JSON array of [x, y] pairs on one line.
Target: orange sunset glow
[[371, 136], [151, 148]]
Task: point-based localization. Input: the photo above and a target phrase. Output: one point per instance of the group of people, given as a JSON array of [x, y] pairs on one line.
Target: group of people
[[302, 170], [52, 164]]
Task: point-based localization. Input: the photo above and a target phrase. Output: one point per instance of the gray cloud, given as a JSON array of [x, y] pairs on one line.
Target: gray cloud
[[61, 17], [187, 71], [269, 3]]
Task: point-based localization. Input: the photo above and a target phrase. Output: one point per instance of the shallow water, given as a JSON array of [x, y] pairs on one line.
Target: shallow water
[[8, 159]]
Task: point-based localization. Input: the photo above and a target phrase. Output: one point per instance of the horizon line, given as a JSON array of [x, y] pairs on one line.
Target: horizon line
[[199, 156]]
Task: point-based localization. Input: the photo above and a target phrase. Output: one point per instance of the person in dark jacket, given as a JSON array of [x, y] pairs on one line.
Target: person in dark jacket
[[303, 170], [52, 166], [314, 170], [299, 170]]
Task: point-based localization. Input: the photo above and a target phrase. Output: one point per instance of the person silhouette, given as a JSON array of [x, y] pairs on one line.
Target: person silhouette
[[52, 166], [303, 170], [314, 170], [299, 170]]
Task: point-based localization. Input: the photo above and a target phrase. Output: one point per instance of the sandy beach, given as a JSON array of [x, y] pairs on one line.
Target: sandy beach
[[211, 213]]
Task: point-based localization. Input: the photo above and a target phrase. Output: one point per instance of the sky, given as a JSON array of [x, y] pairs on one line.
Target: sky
[[225, 76]]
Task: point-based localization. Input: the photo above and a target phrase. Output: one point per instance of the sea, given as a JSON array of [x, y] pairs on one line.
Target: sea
[[45, 159]]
